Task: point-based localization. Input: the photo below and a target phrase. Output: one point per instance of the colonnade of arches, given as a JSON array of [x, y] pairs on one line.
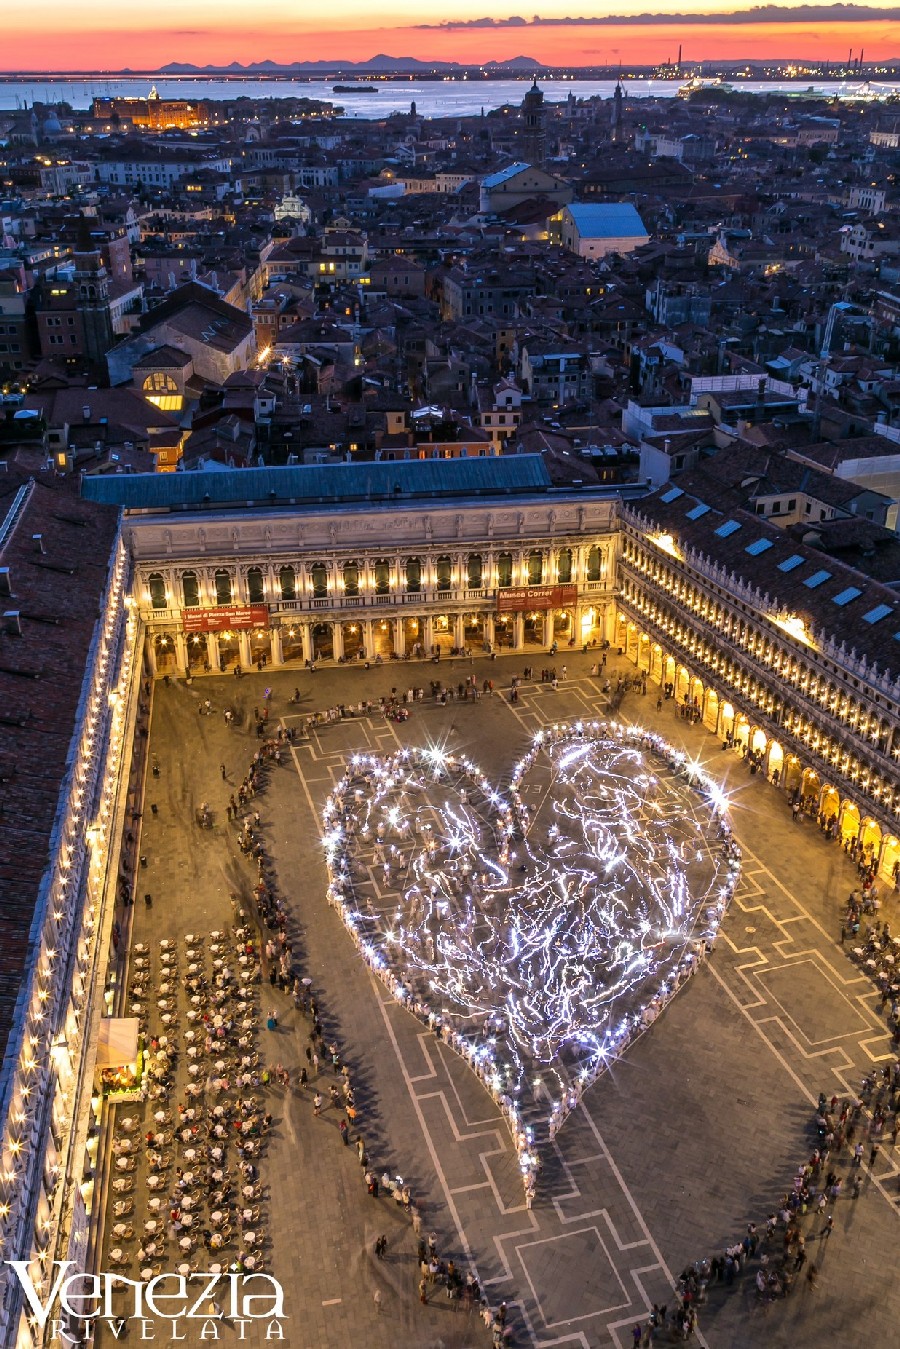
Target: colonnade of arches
[[172, 650], [828, 802]]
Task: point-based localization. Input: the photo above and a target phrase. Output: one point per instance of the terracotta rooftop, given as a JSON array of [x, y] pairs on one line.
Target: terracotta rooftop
[[56, 584]]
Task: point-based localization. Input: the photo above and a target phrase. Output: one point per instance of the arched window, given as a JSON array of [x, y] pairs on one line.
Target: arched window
[[504, 569], [318, 575], [159, 382], [288, 582], [475, 571], [351, 578], [255, 589], [157, 587], [443, 570], [535, 567], [564, 566], [382, 570], [593, 564], [190, 587], [223, 586], [414, 575]]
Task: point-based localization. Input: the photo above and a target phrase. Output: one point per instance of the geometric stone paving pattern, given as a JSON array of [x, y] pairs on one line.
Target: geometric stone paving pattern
[[696, 1131]]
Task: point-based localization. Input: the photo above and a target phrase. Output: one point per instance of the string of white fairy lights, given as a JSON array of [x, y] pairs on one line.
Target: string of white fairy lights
[[536, 951]]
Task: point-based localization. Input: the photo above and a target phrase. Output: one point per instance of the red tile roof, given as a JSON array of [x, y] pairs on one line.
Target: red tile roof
[[56, 584]]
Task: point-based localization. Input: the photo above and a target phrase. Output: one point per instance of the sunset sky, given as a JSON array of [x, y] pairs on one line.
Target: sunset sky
[[144, 34]]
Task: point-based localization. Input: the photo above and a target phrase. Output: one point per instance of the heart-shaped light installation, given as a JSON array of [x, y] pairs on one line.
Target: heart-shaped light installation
[[537, 939]]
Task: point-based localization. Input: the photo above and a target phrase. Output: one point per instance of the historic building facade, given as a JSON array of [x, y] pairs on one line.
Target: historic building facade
[[59, 941], [784, 654], [372, 582], [791, 677]]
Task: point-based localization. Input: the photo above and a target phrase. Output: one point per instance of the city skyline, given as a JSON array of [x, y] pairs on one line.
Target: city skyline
[[102, 36]]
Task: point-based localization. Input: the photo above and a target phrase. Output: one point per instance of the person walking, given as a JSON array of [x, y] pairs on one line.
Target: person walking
[[828, 1228], [317, 1104]]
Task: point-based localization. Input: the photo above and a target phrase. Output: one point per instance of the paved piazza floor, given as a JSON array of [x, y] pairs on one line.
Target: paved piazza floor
[[696, 1132]]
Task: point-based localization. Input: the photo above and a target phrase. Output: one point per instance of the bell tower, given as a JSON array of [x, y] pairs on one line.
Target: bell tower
[[618, 130], [534, 116], [92, 296]]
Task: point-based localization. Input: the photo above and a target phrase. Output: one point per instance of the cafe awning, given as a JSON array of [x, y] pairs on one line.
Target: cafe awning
[[118, 1043]]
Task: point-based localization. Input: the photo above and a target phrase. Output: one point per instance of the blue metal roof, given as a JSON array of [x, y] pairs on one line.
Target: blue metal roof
[[607, 220], [322, 484], [502, 175]]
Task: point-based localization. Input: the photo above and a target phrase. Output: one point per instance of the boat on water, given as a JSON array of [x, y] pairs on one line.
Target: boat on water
[[354, 89], [698, 82]]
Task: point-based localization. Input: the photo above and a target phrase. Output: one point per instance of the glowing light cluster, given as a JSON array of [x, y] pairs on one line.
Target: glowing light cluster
[[537, 939]]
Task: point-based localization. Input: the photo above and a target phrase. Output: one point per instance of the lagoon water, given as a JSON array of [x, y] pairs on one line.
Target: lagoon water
[[433, 98]]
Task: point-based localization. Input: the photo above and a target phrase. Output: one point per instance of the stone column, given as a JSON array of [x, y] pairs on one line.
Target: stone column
[[518, 631], [181, 653], [489, 634], [306, 640], [277, 652], [399, 637], [337, 640], [212, 651], [577, 616], [244, 648], [150, 653], [428, 635], [459, 631], [368, 638]]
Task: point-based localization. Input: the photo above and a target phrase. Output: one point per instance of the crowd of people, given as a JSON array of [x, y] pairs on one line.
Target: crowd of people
[[778, 1252], [324, 1077], [875, 949], [775, 1254]]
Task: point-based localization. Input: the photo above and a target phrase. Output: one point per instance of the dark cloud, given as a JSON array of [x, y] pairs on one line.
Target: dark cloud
[[759, 14]]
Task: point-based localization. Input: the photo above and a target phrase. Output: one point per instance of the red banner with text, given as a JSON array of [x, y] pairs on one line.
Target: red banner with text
[[226, 617], [519, 598]]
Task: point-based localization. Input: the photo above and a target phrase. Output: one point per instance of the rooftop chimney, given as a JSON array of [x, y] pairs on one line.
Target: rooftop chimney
[[38, 541], [5, 581], [12, 623]]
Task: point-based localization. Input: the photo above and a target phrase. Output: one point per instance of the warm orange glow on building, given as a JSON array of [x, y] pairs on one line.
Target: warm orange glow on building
[[153, 113]]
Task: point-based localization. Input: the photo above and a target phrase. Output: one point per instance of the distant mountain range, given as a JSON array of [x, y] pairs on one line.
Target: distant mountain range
[[380, 63]]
